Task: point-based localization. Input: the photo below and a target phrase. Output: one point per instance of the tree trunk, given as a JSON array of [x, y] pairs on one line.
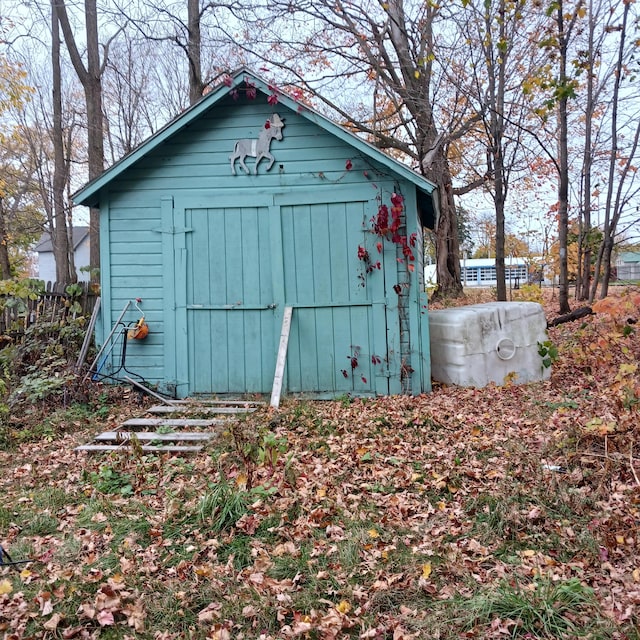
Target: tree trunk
[[563, 178], [194, 51], [93, 95], [613, 207], [447, 241], [59, 238], [91, 80], [584, 268], [496, 67], [5, 265], [499, 199]]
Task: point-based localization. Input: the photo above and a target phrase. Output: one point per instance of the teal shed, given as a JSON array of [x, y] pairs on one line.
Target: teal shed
[[323, 222]]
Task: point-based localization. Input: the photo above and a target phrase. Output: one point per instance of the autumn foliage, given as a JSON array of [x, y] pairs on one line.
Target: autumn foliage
[[507, 511]]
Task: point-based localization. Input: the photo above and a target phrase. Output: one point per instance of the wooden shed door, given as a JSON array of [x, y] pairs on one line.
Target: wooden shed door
[[243, 264], [232, 330], [338, 340]]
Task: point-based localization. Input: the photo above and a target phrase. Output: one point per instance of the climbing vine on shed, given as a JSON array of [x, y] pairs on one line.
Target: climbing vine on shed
[[387, 224], [354, 362]]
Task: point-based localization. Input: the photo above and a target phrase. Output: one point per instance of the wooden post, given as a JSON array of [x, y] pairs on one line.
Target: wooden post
[[88, 335], [282, 357]]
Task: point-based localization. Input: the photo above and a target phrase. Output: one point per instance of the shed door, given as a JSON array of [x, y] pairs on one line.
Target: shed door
[[243, 264], [338, 340], [231, 323]]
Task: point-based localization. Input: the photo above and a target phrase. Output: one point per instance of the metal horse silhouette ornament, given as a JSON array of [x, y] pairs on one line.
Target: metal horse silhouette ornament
[[259, 148]]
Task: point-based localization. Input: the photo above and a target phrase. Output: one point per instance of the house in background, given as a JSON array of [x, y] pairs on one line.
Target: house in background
[[47, 263], [481, 272], [628, 266], [247, 203]]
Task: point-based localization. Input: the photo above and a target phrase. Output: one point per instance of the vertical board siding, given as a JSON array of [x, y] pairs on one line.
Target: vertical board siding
[[332, 312], [229, 277], [418, 324], [133, 274]]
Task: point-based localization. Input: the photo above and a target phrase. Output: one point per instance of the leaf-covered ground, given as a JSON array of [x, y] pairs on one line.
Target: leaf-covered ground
[[467, 513]]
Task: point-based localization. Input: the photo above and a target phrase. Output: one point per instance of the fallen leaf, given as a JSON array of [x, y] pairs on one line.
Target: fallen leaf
[[344, 607], [210, 613], [135, 615], [52, 623], [105, 618]]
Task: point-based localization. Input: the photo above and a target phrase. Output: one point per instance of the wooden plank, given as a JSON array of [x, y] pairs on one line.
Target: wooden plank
[[215, 403], [88, 335], [162, 422], [146, 447], [183, 436], [196, 409], [282, 357]]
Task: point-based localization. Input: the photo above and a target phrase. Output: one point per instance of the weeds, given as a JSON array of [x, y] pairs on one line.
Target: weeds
[[256, 446], [222, 505], [542, 609], [110, 481]]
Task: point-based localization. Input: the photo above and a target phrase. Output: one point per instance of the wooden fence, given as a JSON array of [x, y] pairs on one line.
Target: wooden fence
[[17, 314]]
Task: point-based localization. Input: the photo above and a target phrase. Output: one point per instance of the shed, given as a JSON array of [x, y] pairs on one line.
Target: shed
[[320, 221]]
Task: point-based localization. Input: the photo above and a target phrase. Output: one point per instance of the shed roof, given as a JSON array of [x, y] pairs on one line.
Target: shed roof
[[89, 194]]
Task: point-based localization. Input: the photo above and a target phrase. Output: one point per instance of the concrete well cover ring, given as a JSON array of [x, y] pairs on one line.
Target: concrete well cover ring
[[506, 348]]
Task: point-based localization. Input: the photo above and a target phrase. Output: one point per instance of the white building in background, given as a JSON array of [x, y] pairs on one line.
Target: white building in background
[[481, 272], [47, 264], [628, 266]]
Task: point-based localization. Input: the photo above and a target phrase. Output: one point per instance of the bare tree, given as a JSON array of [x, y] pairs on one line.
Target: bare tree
[[90, 76], [167, 22], [565, 89], [622, 165], [584, 247], [134, 106], [43, 124], [59, 234], [558, 87], [503, 59], [393, 53]]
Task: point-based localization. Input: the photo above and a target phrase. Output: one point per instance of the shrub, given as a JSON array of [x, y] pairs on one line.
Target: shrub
[[528, 293]]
